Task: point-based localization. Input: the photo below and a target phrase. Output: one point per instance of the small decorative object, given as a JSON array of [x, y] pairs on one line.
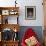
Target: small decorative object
[[5, 12], [15, 30], [13, 12], [7, 34], [14, 36], [6, 21], [30, 12], [15, 3]]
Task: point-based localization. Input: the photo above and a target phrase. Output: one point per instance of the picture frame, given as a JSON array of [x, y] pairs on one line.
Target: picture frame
[[13, 12], [5, 12], [30, 12]]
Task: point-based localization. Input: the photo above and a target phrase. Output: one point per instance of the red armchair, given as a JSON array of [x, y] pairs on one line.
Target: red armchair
[[28, 34]]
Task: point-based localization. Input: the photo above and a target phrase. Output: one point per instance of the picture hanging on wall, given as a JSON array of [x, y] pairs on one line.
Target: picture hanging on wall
[[30, 12]]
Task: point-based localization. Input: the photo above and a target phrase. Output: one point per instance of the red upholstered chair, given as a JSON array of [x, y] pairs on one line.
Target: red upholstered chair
[[29, 33]]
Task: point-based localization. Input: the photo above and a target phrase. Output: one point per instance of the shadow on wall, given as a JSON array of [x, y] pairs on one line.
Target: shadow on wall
[[37, 29]]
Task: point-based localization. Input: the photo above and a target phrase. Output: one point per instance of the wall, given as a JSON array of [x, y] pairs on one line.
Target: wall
[[22, 4], [39, 13]]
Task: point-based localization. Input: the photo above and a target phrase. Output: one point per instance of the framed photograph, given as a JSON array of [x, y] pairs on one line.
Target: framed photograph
[[30, 12], [5, 12]]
